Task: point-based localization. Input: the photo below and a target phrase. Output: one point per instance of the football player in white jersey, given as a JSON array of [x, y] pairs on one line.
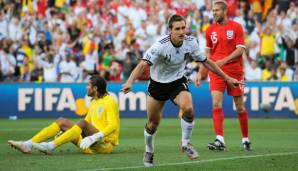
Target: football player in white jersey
[[167, 60]]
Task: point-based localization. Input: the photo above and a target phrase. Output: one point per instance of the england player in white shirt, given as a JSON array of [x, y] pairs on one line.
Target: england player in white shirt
[[167, 60]]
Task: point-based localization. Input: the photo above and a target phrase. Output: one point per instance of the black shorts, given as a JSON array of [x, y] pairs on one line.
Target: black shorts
[[165, 91]]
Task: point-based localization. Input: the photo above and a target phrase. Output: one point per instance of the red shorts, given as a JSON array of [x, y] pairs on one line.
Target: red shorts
[[219, 84]]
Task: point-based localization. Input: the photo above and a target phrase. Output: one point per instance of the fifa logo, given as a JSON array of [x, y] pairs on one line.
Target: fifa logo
[[279, 98], [61, 99]]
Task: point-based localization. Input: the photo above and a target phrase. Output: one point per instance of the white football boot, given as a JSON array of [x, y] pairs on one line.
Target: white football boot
[[21, 146]]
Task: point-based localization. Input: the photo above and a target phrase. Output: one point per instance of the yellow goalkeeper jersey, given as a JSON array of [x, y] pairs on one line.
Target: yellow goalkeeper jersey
[[103, 113]]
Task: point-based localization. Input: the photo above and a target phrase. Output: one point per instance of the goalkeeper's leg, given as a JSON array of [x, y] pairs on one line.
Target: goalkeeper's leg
[[61, 124], [74, 134]]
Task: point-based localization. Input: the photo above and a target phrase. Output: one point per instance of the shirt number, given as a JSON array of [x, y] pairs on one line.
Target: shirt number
[[213, 37]]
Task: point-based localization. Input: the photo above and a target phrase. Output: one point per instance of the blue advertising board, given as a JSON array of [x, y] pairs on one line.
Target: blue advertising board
[[67, 100]]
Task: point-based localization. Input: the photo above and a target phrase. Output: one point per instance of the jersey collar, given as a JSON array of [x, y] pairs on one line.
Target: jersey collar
[[174, 44]]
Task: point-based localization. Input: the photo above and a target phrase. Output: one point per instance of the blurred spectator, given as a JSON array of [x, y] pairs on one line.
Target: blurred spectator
[[115, 72], [102, 32], [68, 70], [252, 71], [273, 74], [257, 9], [267, 44], [128, 65], [27, 48], [290, 42], [14, 29], [46, 62], [36, 75], [283, 5], [282, 74], [288, 71], [25, 70], [266, 71], [296, 73], [7, 61], [232, 7], [239, 17], [3, 24], [250, 22], [254, 46], [74, 35]]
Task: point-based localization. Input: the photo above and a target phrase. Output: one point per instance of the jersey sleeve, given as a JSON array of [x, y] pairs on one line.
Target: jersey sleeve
[[208, 38], [239, 36], [195, 53], [112, 117], [152, 54]]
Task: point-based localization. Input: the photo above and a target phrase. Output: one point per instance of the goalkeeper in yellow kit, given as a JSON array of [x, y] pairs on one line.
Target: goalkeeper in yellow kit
[[97, 133]]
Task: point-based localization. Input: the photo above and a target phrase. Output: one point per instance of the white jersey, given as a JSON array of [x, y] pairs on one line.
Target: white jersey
[[167, 62]]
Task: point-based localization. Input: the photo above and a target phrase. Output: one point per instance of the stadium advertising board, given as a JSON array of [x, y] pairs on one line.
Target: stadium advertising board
[[70, 100]]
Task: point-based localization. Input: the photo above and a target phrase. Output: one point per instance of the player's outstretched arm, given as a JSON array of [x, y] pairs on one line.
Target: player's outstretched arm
[[235, 54], [136, 73], [202, 73], [214, 68]]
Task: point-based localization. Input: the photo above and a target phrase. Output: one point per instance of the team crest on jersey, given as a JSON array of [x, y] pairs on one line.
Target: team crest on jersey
[[154, 51], [100, 109], [230, 34]]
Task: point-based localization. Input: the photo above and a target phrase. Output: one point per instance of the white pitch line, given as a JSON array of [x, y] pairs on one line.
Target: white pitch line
[[198, 161]]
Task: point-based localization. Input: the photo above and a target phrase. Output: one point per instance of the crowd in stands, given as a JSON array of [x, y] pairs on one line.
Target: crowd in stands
[[67, 40]]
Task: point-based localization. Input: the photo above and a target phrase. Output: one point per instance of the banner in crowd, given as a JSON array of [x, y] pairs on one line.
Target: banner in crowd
[[70, 100]]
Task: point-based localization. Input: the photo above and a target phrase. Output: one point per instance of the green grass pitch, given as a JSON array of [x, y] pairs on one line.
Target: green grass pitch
[[274, 142]]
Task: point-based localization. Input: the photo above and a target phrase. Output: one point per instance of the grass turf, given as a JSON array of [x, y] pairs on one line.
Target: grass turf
[[274, 143]]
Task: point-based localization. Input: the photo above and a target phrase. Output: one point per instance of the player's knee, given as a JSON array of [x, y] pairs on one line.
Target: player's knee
[[187, 110], [153, 123], [82, 123], [240, 108], [216, 105], [62, 121]]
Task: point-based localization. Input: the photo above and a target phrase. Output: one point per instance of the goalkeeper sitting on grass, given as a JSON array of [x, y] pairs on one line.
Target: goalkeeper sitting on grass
[[97, 133]]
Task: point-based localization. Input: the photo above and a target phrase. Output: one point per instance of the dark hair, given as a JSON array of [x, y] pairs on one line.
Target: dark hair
[[100, 83], [175, 18]]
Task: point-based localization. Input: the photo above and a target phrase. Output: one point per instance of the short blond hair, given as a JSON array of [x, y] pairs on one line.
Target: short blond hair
[[225, 5]]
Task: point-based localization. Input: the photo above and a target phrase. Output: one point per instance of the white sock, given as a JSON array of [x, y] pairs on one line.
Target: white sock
[[186, 129], [244, 139], [220, 138], [28, 143], [51, 145], [149, 141]]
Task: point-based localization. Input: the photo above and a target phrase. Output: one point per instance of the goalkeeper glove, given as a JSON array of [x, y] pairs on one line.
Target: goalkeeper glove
[[89, 140]]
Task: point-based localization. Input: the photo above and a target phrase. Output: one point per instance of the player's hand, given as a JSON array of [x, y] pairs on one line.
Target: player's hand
[[88, 141], [198, 80], [126, 88], [220, 63], [234, 83]]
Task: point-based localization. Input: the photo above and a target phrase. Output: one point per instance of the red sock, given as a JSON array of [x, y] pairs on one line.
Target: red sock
[[243, 120], [218, 118]]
